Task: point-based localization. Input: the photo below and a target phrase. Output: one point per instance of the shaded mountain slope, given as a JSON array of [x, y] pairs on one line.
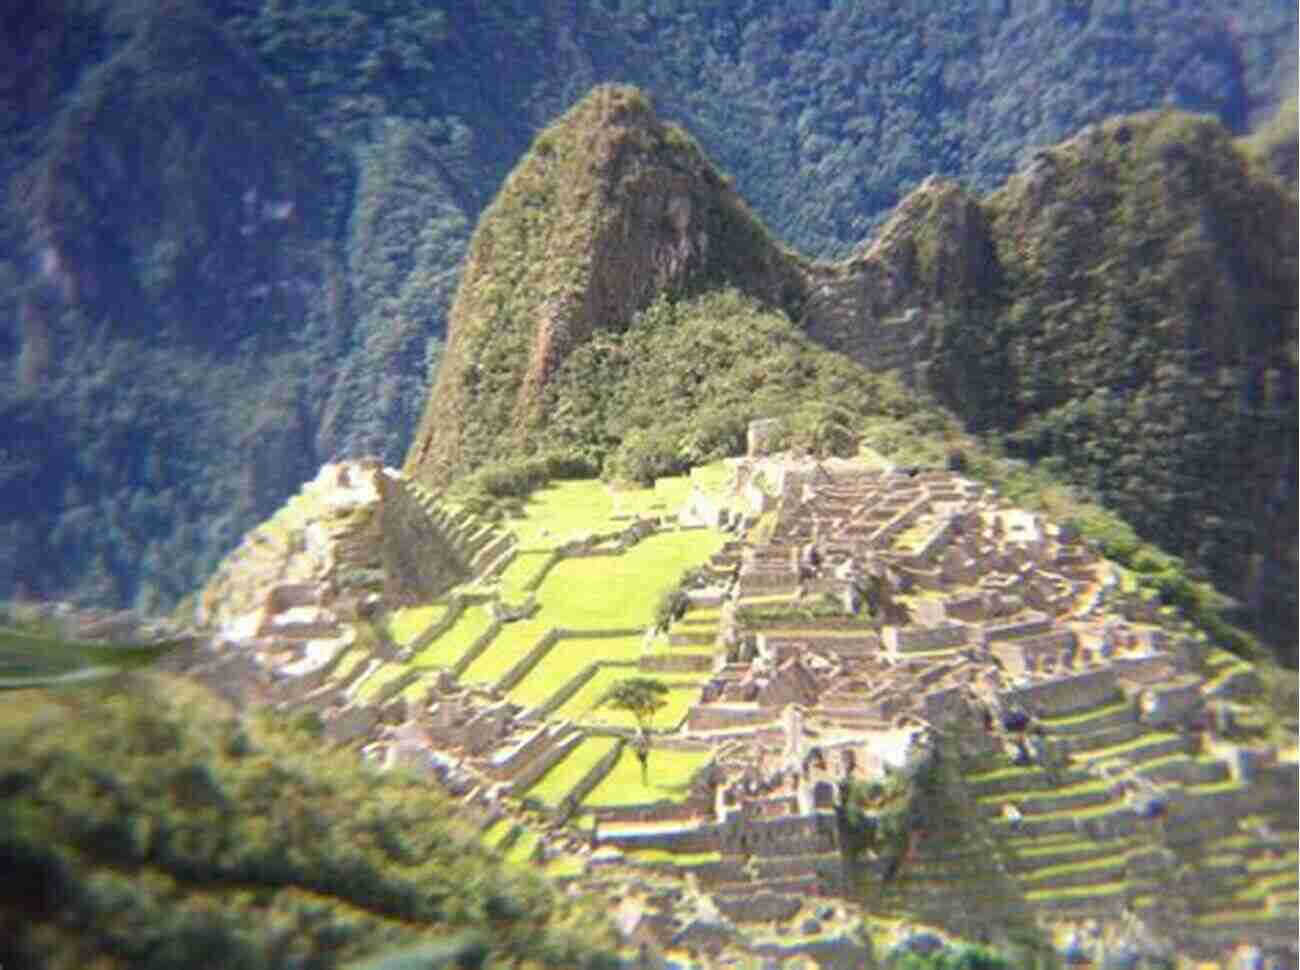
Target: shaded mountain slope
[[186, 285], [1123, 310], [1149, 341], [133, 134]]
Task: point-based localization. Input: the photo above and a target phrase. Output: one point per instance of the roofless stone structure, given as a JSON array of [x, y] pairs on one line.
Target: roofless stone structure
[[899, 682]]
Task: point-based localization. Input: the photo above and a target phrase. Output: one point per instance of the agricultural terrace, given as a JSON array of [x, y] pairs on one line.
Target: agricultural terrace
[[552, 788], [451, 647], [407, 624], [569, 658], [583, 707], [566, 510], [669, 775], [598, 593]]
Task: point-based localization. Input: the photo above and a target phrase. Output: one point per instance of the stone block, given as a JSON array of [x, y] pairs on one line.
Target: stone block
[[924, 639]]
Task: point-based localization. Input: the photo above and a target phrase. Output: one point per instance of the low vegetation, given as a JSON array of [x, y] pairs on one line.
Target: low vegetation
[[149, 827]]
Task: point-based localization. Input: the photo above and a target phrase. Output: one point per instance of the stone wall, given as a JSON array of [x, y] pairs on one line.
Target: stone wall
[[687, 838], [506, 764], [675, 663], [788, 835], [543, 762], [1027, 626], [521, 668], [1031, 653], [419, 563], [716, 717], [921, 639], [574, 684], [536, 581], [591, 779], [1064, 695], [656, 812], [760, 907], [785, 646], [761, 437], [435, 630], [475, 649]]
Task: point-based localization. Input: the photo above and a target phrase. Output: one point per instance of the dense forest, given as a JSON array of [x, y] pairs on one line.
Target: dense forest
[[231, 231]]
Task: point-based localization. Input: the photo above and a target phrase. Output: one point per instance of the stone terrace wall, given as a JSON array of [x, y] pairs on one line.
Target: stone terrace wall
[[915, 639], [715, 717], [419, 563], [788, 835], [1067, 694]]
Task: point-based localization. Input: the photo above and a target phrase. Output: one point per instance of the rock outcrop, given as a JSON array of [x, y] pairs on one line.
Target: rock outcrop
[[353, 531]]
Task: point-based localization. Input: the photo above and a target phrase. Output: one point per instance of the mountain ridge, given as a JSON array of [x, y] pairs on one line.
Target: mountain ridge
[[954, 293], [825, 115]]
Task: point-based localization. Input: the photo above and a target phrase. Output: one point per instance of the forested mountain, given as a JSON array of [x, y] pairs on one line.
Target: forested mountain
[[1123, 312], [231, 231]]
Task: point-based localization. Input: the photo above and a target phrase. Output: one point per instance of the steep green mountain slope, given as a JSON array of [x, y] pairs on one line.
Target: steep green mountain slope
[[611, 208], [265, 206], [1123, 310], [1146, 343]]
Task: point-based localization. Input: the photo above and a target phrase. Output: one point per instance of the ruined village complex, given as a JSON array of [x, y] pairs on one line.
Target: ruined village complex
[[859, 632]]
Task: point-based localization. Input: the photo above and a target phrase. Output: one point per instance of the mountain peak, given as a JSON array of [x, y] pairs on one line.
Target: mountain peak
[[610, 207]]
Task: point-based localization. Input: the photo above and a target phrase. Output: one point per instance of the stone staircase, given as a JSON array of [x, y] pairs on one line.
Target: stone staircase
[[483, 546]]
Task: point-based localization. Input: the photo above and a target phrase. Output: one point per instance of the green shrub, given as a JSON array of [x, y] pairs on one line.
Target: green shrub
[[502, 487], [647, 454]]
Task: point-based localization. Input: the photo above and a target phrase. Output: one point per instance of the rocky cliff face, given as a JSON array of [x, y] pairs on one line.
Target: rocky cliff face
[[1123, 309], [935, 251]]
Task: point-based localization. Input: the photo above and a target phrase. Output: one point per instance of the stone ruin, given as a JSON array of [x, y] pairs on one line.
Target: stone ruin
[[884, 616]]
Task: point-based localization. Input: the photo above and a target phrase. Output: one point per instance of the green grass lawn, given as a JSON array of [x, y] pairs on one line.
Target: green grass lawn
[[521, 853], [1079, 717], [565, 867], [496, 833], [1074, 845], [581, 706], [661, 856], [1108, 866], [566, 660], [507, 647], [415, 691], [670, 494], [556, 783], [1127, 747], [1033, 794], [378, 679], [703, 614], [1097, 891], [598, 593], [607, 592], [407, 624], [669, 773], [348, 663], [452, 645], [565, 510], [522, 569]]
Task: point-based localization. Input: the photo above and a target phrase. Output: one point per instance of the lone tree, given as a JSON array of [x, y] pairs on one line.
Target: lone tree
[[641, 697]]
